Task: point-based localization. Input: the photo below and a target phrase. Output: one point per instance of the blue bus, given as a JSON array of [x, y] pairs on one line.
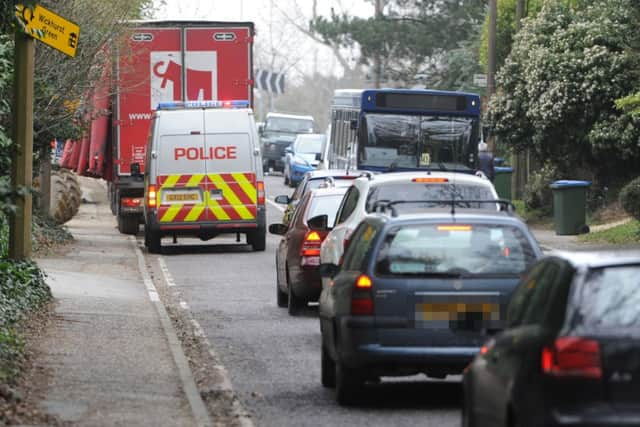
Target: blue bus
[[405, 129]]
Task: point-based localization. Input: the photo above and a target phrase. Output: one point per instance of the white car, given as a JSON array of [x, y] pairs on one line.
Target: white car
[[372, 191]]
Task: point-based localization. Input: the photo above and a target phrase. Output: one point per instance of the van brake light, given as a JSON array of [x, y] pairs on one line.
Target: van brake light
[[151, 196], [260, 186]]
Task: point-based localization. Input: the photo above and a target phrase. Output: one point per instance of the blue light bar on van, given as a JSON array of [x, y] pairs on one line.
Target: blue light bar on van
[[175, 105]]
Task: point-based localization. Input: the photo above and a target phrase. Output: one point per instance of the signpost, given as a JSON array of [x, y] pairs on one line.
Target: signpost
[[57, 32], [480, 80], [50, 28]]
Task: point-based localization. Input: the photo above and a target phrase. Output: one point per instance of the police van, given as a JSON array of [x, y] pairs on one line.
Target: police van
[[203, 173]]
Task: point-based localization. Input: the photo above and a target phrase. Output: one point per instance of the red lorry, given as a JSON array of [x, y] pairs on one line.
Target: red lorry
[[158, 61]]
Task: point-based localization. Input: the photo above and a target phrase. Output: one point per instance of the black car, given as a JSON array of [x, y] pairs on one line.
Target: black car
[[570, 355], [416, 293]]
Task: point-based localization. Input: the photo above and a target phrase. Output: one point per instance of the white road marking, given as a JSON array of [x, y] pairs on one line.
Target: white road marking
[[276, 205], [165, 270], [198, 408]]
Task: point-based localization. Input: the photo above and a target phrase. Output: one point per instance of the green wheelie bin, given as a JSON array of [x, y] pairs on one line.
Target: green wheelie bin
[[570, 206], [502, 181]]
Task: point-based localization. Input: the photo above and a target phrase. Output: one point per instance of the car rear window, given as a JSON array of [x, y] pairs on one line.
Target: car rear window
[[465, 249], [325, 205], [430, 191], [609, 298]]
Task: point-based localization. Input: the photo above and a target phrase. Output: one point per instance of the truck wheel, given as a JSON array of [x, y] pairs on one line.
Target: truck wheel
[[258, 239], [128, 224], [62, 202], [152, 241]]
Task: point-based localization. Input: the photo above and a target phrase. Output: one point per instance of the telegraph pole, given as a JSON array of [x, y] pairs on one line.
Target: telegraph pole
[[22, 160], [519, 161], [377, 62], [491, 62]]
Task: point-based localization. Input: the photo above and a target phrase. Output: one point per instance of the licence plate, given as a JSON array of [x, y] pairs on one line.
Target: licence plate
[[182, 197], [457, 315]]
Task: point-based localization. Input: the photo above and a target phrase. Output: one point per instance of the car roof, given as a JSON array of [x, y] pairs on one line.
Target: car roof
[[289, 116], [453, 177], [323, 173], [329, 191], [462, 215], [598, 259]]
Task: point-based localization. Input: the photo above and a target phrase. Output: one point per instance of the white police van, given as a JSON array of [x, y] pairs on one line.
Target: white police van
[[203, 173]]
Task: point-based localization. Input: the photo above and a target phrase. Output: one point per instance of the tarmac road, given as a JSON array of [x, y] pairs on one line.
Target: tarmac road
[[273, 360]]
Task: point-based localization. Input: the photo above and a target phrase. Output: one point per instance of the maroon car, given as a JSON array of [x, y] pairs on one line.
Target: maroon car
[[298, 255]]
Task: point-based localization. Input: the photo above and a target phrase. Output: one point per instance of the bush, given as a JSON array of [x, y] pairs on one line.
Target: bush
[[537, 193], [630, 198]]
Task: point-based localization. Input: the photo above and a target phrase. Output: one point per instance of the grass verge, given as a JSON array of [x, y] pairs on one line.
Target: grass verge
[[628, 233]]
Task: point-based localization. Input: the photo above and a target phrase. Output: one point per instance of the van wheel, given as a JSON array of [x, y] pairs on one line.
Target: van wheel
[[258, 239], [152, 241], [128, 224]]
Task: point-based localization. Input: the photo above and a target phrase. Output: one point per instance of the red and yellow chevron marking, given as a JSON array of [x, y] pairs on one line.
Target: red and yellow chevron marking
[[235, 201]]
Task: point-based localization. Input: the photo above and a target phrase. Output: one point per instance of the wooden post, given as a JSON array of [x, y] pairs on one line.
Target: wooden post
[[22, 162], [519, 161], [377, 61], [491, 60], [44, 200]]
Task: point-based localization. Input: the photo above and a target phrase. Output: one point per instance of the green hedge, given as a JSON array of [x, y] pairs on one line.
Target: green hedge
[[630, 198]]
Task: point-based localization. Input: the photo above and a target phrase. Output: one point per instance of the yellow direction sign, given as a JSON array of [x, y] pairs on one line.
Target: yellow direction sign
[[49, 28]]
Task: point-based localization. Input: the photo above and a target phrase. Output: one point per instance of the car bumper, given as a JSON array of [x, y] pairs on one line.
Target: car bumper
[[359, 349], [306, 283], [298, 171], [596, 416]]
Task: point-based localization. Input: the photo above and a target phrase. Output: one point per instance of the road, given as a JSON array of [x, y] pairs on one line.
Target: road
[[273, 360]]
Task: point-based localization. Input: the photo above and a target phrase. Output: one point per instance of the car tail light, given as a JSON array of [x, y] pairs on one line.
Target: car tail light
[[260, 186], [430, 180], [573, 357], [361, 298], [151, 196], [311, 244], [131, 202]]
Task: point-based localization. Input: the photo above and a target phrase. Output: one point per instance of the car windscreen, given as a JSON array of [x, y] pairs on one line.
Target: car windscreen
[[325, 205], [287, 124], [430, 191], [609, 299], [456, 249]]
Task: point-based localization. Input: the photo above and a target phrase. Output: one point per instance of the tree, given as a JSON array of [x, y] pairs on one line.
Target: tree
[[410, 36], [558, 86]]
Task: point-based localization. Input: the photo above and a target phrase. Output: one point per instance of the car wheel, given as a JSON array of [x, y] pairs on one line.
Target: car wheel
[[467, 413], [327, 370], [286, 178], [281, 297], [348, 384], [294, 304]]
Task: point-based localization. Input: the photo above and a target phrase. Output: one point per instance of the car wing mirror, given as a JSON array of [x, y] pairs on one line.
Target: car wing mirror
[[282, 200], [279, 229], [288, 150], [319, 223], [328, 270]]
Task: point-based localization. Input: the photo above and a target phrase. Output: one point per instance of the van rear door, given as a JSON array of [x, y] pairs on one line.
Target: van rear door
[[231, 172], [181, 169]]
